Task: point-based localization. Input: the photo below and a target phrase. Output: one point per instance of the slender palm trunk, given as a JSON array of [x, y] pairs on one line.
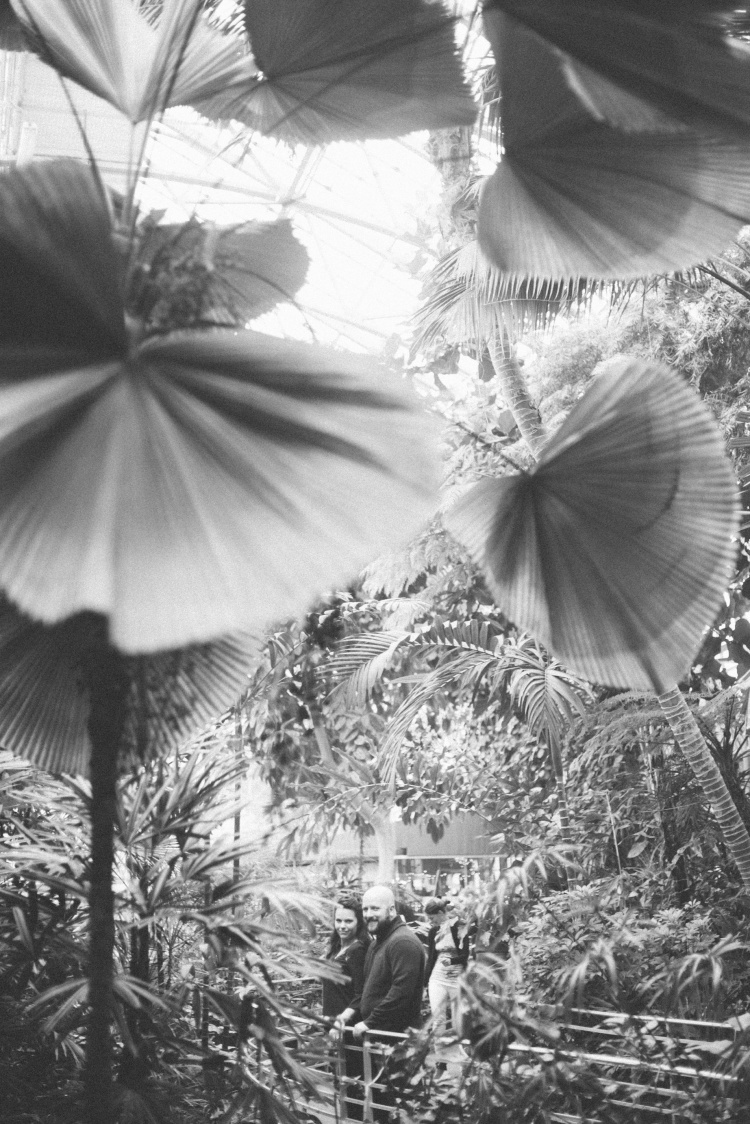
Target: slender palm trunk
[[515, 393], [108, 695], [385, 841], [683, 725], [700, 759]]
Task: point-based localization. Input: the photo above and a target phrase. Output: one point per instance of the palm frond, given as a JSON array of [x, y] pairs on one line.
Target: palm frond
[[359, 663], [467, 301], [548, 696], [596, 183], [697, 73], [349, 70], [421, 695], [111, 49], [45, 695], [615, 550], [255, 469], [232, 274]]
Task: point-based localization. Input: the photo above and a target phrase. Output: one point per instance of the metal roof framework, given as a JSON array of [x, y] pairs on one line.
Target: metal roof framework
[[360, 209]]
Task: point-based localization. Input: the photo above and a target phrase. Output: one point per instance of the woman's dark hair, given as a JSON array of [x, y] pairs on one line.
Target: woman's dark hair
[[354, 905]]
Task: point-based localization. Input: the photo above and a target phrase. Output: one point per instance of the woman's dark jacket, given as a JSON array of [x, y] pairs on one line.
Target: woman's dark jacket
[[338, 996], [459, 955]]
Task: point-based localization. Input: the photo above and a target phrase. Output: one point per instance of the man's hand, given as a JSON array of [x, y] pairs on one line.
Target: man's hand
[[359, 1030]]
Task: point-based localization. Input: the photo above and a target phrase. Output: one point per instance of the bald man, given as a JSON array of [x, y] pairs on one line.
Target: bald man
[[394, 970]]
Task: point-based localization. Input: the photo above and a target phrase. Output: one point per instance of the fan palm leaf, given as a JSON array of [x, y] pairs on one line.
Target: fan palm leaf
[[615, 550], [349, 70], [136, 471], [45, 690], [672, 56], [615, 190], [112, 50], [342, 70], [245, 270]]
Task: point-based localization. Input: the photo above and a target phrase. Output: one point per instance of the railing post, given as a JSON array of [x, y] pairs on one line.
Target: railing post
[[367, 1074]]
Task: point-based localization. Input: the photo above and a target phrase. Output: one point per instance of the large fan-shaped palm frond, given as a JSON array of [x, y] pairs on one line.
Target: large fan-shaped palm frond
[[349, 70], [109, 48], [614, 551], [135, 472], [578, 196], [236, 273], [672, 56], [45, 693]]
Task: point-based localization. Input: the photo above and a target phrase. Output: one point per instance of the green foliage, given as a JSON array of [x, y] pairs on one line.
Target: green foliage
[[197, 923]]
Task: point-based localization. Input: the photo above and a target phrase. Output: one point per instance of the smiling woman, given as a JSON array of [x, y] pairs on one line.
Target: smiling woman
[[347, 950]]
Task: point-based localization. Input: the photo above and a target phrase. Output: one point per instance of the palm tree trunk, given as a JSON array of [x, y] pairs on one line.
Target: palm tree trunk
[[686, 731], [108, 688], [385, 841], [700, 759], [515, 393]]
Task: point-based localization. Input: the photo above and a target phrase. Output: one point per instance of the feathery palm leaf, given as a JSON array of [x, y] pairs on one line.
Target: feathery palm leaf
[[359, 662], [467, 300], [349, 70], [544, 693], [137, 471], [548, 696]]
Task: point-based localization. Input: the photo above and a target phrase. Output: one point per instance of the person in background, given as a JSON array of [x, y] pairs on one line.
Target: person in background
[[392, 996], [348, 949], [448, 948]]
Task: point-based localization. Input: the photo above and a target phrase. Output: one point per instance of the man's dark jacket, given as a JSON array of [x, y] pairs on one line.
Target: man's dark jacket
[[394, 980]]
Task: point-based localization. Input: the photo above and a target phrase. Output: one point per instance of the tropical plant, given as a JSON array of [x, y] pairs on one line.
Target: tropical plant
[[141, 435], [189, 914]]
